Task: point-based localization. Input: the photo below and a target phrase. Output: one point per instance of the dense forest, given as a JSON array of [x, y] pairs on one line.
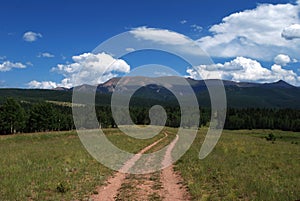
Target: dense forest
[[24, 117]]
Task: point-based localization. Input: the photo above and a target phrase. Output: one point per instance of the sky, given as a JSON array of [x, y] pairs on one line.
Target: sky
[[48, 44]]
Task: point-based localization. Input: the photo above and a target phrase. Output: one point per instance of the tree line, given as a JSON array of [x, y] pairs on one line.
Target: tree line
[[25, 117], [256, 118]]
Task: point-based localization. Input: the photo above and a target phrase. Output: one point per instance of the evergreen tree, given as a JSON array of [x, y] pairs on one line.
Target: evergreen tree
[[12, 117]]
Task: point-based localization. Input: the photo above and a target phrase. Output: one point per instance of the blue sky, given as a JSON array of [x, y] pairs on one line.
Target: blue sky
[[42, 43]]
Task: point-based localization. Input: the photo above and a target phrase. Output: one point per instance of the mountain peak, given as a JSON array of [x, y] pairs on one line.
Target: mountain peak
[[280, 83]]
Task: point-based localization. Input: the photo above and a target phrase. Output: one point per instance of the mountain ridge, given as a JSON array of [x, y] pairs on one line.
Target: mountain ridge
[[239, 94], [113, 82]]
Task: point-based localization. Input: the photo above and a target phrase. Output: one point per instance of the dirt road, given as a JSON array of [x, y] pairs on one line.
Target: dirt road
[[163, 185]]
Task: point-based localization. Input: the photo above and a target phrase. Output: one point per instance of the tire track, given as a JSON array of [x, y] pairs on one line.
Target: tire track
[[172, 183], [109, 191]]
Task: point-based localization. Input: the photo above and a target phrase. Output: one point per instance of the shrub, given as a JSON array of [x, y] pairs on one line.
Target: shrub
[[271, 137]]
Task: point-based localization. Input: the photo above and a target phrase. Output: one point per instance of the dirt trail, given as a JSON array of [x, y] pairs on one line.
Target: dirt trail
[[109, 192], [166, 184], [172, 182]]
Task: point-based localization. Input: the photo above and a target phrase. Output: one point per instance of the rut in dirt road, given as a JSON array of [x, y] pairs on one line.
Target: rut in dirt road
[[161, 185], [172, 183], [109, 191]]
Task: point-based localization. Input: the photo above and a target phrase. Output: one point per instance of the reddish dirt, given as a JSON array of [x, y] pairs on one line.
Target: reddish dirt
[[172, 188], [109, 191], [172, 182]]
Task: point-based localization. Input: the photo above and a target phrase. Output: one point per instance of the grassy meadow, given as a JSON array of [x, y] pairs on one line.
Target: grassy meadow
[[54, 166], [243, 166]]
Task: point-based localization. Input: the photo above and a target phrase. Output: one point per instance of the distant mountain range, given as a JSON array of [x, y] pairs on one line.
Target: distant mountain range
[[239, 94]]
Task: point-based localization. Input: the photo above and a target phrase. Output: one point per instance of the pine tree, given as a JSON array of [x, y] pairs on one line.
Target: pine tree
[[12, 117]]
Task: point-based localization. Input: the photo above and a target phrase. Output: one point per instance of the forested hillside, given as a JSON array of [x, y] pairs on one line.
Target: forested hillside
[[250, 105], [239, 95], [23, 117]]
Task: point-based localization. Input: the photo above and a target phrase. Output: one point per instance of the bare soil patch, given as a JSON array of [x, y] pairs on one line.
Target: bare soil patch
[[162, 185]]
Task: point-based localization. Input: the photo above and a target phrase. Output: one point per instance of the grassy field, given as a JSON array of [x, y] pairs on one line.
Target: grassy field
[[245, 166], [54, 166]]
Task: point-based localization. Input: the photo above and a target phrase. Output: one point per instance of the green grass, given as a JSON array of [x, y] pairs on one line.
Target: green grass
[[54, 166], [51, 166], [128, 143], [244, 166]]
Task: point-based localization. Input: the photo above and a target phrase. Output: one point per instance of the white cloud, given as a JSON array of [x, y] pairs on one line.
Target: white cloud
[[258, 33], [91, 68], [129, 49], [28, 63], [42, 85], [183, 21], [244, 70], [46, 55], [161, 36], [31, 36], [7, 66], [286, 75], [196, 28], [282, 59], [291, 32], [169, 41], [2, 57], [87, 68], [253, 33]]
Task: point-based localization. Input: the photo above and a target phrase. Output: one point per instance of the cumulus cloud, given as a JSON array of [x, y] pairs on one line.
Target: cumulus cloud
[[282, 59], [264, 33], [42, 85], [255, 33], [31, 36], [87, 68], [7, 66], [291, 32], [260, 33], [244, 70], [45, 55], [286, 75]]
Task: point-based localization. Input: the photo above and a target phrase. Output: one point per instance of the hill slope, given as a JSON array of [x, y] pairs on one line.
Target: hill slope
[[272, 95]]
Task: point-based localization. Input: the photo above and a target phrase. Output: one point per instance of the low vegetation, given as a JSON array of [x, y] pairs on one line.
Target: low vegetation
[[245, 165], [54, 166]]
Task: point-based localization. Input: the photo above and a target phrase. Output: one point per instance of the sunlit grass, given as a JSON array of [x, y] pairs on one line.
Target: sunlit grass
[[245, 166], [54, 166]]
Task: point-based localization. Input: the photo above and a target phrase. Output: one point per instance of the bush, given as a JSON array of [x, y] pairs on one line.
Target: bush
[[271, 137]]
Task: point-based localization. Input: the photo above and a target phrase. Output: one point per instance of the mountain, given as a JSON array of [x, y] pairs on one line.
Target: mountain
[[279, 84], [239, 94]]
